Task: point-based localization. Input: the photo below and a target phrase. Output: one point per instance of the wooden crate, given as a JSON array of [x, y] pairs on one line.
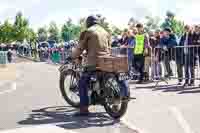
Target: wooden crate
[[110, 63]]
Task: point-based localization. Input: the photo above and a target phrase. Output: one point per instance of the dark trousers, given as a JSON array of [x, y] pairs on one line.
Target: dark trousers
[[188, 64], [41, 55], [138, 64], [167, 60], [189, 69], [83, 86], [34, 53], [9, 59], [180, 71]]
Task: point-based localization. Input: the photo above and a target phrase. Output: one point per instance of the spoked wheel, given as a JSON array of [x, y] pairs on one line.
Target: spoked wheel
[[69, 87], [116, 110], [114, 106]]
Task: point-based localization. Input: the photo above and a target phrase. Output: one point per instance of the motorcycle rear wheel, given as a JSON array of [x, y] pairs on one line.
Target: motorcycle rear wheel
[[111, 109]]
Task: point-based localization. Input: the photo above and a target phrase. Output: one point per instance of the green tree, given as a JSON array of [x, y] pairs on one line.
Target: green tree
[[53, 32], [42, 34], [177, 26], [104, 23], [70, 31], [6, 32], [82, 24], [76, 31], [116, 31], [1, 33], [32, 36], [21, 27], [65, 33], [132, 22], [152, 23]]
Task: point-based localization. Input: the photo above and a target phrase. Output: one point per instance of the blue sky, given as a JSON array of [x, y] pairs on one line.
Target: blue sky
[[41, 12]]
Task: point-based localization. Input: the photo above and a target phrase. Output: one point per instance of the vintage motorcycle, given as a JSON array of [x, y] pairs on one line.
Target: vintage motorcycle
[[104, 89]]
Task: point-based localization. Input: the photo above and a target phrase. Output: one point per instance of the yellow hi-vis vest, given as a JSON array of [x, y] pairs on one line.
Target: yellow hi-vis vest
[[139, 46]]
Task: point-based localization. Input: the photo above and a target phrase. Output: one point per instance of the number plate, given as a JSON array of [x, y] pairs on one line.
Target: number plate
[[123, 76]]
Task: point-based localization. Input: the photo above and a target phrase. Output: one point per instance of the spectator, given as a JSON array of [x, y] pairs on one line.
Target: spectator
[[141, 45], [186, 57], [15, 47], [167, 42], [130, 43], [156, 66], [9, 55], [155, 39], [196, 40], [134, 31], [115, 41], [123, 40], [196, 36], [147, 60], [34, 49]]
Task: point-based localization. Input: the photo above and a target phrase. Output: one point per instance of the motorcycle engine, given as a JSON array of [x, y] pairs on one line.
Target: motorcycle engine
[[95, 93], [96, 87]]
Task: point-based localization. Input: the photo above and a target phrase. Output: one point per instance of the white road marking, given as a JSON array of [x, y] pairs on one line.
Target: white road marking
[[131, 126], [179, 117], [13, 88], [39, 129]]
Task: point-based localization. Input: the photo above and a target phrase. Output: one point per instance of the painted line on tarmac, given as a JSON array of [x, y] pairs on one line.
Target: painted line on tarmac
[[13, 88], [180, 119], [39, 129], [131, 126]]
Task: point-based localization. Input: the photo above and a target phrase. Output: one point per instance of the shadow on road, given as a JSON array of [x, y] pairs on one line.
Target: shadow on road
[[135, 82], [63, 117], [185, 92], [171, 88]]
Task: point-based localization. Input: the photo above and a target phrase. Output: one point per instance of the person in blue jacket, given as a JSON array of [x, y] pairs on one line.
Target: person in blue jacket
[[167, 43], [126, 47]]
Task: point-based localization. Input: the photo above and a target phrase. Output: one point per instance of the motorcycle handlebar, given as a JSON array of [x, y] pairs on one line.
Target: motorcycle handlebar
[[72, 60]]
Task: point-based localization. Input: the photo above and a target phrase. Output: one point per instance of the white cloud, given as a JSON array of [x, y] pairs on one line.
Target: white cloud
[[3, 8], [190, 13]]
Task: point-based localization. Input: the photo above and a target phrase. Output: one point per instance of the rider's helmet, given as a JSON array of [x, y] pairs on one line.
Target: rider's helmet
[[91, 20]]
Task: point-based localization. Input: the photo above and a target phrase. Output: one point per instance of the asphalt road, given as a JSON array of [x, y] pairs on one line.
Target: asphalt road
[[33, 98]]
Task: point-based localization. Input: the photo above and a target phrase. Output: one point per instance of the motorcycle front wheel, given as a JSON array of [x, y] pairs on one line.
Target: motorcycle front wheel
[[69, 87]]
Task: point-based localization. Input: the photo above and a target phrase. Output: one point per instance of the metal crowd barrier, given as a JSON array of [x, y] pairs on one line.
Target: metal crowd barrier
[[180, 62], [3, 58], [53, 55]]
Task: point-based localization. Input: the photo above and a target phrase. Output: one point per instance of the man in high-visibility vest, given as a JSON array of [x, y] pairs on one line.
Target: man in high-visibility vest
[[139, 51]]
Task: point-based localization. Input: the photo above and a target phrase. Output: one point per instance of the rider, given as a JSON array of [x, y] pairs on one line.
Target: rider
[[96, 41]]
